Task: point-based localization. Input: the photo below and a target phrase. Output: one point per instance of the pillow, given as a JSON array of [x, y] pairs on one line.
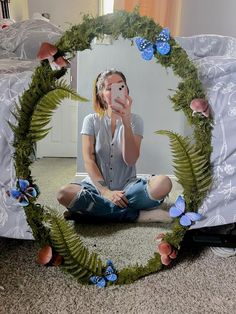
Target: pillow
[[4, 23], [215, 59], [24, 38], [5, 54]]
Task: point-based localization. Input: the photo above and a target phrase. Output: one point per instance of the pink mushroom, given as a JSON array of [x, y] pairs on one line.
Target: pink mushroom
[[165, 250], [47, 51], [200, 105]]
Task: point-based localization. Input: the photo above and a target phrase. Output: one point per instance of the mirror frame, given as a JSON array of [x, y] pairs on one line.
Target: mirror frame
[[191, 157]]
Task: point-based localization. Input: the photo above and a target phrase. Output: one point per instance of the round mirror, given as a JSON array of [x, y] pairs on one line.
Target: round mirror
[[77, 247]]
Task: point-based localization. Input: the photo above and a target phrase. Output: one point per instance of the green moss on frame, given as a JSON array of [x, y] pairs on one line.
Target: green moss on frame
[[78, 38]]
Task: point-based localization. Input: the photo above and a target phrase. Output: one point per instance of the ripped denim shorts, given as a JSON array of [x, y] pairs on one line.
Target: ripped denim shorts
[[92, 207]]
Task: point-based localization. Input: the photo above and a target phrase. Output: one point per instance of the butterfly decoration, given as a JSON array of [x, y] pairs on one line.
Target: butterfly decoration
[[23, 192], [148, 48], [109, 275], [178, 210]]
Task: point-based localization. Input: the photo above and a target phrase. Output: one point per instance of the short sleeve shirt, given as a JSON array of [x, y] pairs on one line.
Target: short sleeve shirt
[[108, 149]]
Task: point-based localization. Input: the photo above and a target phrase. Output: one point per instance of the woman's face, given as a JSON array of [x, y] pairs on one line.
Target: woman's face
[[106, 93]]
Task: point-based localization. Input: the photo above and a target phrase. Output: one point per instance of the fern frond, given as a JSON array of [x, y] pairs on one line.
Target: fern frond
[[191, 167], [77, 259], [46, 106]]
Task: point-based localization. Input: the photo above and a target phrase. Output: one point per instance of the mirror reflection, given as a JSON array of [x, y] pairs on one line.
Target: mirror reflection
[[149, 87]]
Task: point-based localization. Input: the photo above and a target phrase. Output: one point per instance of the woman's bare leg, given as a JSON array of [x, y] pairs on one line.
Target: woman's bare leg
[[67, 194], [158, 188]]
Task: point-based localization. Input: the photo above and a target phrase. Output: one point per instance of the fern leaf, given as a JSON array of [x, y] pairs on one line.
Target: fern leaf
[[46, 106], [77, 259], [191, 167]]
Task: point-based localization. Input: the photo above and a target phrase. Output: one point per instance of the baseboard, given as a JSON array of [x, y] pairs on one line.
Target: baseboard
[[81, 175]]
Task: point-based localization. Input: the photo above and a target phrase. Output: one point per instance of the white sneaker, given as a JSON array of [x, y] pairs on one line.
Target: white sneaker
[[224, 251]]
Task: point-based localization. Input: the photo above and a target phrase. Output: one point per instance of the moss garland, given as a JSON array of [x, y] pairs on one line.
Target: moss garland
[[78, 38]]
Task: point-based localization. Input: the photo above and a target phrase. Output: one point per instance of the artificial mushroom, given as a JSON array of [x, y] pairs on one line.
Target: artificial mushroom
[[200, 105], [48, 51], [166, 251], [44, 255]]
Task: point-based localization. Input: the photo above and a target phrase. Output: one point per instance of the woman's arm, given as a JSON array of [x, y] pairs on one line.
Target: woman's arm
[[91, 167], [131, 142]]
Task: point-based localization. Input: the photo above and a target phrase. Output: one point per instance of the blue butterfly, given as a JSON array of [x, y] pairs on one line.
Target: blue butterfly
[[147, 48], [110, 275], [110, 272], [23, 192], [100, 282], [163, 47], [178, 211]]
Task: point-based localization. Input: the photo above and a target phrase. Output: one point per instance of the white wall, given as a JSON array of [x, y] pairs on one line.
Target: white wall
[[208, 17], [64, 13], [19, 10], [149, 85]]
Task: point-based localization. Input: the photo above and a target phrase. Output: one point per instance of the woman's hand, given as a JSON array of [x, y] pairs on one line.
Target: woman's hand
[[125, 111], [116, 197]]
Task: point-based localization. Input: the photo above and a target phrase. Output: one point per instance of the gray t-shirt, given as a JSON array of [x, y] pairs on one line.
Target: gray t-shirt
[[108, 149]]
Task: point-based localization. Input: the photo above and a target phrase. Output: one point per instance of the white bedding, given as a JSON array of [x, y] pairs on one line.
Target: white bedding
[[14, 79], [19, 44], [215, 59]]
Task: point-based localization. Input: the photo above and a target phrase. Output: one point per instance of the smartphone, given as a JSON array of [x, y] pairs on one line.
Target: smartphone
[[118, 90]]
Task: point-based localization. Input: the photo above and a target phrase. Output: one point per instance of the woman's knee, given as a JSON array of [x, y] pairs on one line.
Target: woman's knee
[[66, 194], [159, 186]]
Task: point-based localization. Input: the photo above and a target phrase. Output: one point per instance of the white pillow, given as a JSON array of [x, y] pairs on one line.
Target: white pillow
[[24, 38]]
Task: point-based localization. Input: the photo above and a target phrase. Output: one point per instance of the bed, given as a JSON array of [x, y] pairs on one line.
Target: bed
[[215, 59], [19, 44]]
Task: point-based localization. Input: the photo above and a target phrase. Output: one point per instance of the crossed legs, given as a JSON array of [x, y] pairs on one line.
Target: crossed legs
[[158, 188]]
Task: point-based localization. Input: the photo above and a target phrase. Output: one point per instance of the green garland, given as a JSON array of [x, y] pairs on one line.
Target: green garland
[[191, 160]]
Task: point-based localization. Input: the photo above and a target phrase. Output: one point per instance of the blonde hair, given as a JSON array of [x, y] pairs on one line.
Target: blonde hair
[[99, 104]]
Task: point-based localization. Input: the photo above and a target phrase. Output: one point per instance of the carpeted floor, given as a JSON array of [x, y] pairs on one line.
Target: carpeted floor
[[123, 243], [199, 283]]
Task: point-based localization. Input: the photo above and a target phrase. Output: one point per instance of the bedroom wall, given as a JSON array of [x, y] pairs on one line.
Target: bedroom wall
[[208, 17], [64, 13], [19, 10], [149, 85]]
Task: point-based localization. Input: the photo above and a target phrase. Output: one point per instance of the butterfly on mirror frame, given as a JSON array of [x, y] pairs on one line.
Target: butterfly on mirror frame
[[148, 48], [109, 275], [23, 192], [178, 210]]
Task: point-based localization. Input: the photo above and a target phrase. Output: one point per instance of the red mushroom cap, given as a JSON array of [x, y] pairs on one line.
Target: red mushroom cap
[[61, 62], [164, 248], [165, 260], [44, 255], [57, 260], [46, 50], [173, 254]]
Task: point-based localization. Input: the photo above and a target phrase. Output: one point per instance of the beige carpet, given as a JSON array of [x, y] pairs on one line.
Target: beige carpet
[[124, 244], [200, 282]]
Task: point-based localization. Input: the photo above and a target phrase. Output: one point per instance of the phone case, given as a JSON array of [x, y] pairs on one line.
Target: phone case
[[118, 90]]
